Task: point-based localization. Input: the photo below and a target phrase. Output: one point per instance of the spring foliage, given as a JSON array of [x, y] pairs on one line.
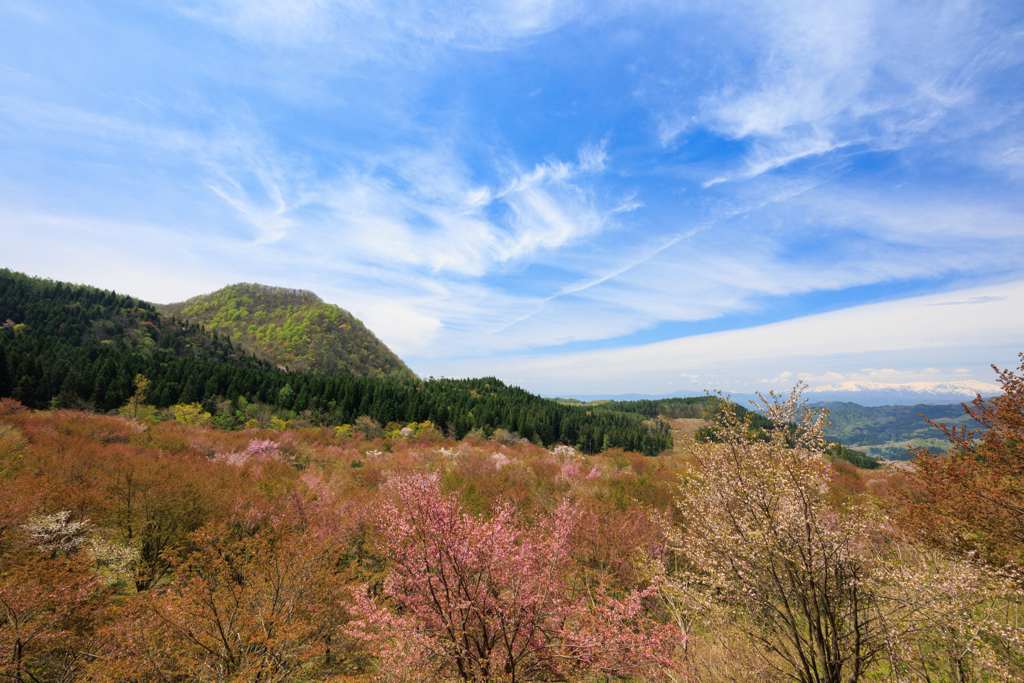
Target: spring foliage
[[972, 501], [292, 526], [826, 592], [761, 535]]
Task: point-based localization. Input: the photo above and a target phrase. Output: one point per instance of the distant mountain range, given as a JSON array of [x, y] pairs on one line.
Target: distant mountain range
[[864, 393]]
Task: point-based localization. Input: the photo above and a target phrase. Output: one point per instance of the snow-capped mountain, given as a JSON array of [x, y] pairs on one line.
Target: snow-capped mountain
[[878, 393]]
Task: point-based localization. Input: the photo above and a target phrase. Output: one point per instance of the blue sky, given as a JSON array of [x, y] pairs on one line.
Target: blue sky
[[578, 197]]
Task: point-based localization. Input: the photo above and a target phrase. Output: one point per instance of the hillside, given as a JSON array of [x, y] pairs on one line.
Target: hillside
[[888, 431], [293, 329]]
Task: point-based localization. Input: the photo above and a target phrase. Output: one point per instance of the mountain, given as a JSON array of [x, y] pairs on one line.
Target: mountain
[[66, 345], [888, 431], [876, 394], [293, 329]]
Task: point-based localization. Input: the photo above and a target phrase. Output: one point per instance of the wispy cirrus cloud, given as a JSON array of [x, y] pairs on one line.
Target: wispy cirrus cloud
[[418, 209], [410, 206], [366, 27], [491, 179], [854, 76]]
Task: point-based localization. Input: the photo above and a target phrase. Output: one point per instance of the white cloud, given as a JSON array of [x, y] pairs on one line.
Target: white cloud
[[782, 378], [412, 224], [593, 158], [906, 329], [418, 210], [670, 127], [785, 249], [812, 378], [406, 208], [432, 231], [282, 21], [89, 129], [48, 245], [404, 328], [26, 9]]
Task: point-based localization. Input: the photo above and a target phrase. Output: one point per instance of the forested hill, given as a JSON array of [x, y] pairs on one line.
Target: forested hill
[[693, 406], [889, 431], [73, 346], [294, 329], [62, 343]]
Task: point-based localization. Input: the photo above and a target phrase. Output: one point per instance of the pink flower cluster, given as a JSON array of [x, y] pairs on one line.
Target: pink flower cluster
[[495, 600], [259, 450]]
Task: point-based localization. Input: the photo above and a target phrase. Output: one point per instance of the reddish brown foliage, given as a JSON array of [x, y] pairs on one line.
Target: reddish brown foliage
[[8, 406], [259, 608], [973, 499], [49, 607], [172, 509], [846, 485]]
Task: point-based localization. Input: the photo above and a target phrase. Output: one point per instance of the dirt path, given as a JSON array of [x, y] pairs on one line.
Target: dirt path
[[682, 427]]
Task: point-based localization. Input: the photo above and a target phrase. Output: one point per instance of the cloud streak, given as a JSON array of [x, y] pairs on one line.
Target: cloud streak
[[910, 327], [363, 26]]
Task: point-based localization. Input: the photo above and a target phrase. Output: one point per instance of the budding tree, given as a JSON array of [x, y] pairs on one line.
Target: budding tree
[[49, 603], [263, 608]]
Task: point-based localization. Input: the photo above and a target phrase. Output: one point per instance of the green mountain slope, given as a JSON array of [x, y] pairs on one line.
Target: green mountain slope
[[292, 328], [888, 431]]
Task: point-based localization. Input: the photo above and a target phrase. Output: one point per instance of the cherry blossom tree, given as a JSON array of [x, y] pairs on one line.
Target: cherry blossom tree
[[493, 600], [826, 593], [762, 542], [955, 618], [56, 534]]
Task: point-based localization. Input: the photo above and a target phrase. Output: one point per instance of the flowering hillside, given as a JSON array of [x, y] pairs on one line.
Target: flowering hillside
[[135, 550]]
